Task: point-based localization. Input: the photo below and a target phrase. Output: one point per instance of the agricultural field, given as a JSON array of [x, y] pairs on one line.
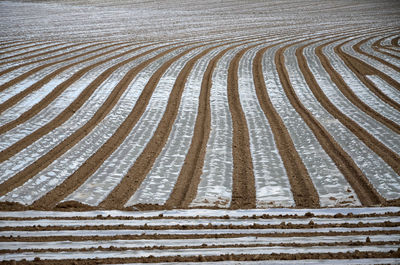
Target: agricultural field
[[199, 132]]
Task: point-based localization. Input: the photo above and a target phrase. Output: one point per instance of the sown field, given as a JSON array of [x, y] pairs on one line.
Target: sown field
[[194, 131]]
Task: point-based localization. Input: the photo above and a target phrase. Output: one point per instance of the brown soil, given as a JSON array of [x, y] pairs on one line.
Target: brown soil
[[45, 160], [57, 90], [185, 188], [367, 195], [243, 183], [302, 188]]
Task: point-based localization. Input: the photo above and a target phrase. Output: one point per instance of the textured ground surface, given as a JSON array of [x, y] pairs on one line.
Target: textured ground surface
[[268, 106]]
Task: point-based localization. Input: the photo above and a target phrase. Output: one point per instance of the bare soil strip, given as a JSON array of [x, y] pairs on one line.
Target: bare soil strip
[[186, 185], [330, 237], [43, 59], [37, 54], [41, 67], [70, 110], [59, 89], [366, 193], [92, 164], [28, 45], [47, 159], [136, 174], [391, 158], [243, 183], [362, 76], [304, 192]]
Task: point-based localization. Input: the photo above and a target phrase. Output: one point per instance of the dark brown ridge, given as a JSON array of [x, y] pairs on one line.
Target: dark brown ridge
[[361, 69], [395, 42], [44, 59], [36, 50], [57, 91], [303, 190], [38, 68], [391, 158], [378, 46], [366, 193], [131, 182], [54, 93], [70, 110], [21, 44], [10, 44], [93, 163], [243, 183], [186, 185], [379, 73], [47, 159]]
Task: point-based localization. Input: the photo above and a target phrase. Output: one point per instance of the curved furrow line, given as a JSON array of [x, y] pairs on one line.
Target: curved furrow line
[[74, 125], [360, 48], [121, 195], [37, 52], [327, 158], [31, 61], [141, 132], [57, 101], [114, 129], [310, 95], [35, 70], [27, 104], [364, 126], [271, 181], [10, 44], [385, 88], [163, 178], [302, 188], [383, 45], [184, 191], [360, 89], [243, 183], [27, 45], [215, 185], [370, 47], [344, 130], [11, 70], [29, 137]]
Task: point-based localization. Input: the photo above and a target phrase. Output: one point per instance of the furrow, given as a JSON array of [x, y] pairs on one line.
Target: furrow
[[188, 180], [304, 193], [92, 135], [215, 186], [28, 124], [243, 183], [50, 75], [333, 162], [194, 233], [363, 126], [161, 179], [29, 102], [37, 52], [332, 100], [361, 91], [194, 242], [123, 194], [195, 252], [271, 181], [385, 88], [80, 120], [19, 77], [42, 140], [12, 65], [65, 224]]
